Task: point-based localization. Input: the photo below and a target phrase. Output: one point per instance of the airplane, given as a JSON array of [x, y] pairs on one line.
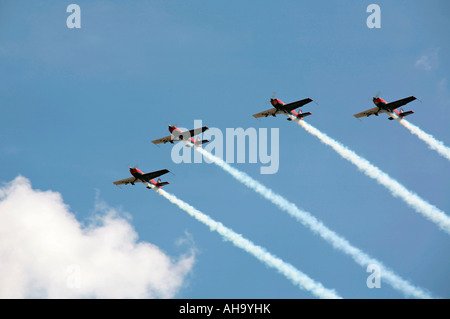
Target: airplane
[[141, 177], [179, 135], [279, 107], [384, 107]]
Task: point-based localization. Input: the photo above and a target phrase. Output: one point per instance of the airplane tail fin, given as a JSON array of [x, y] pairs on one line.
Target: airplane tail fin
[[200, 142], [300, 115], [162, 184], [159, 183], [402, 114]]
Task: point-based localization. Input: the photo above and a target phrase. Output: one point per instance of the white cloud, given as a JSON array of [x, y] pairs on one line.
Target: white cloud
[[46, 253], [428, 61]]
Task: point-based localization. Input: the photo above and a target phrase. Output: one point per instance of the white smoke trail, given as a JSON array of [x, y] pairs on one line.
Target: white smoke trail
[[433, 143], [292, 273], [398, 190], [318, 227]]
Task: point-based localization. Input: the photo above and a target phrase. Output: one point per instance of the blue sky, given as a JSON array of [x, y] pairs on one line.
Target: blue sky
[[79, 106]]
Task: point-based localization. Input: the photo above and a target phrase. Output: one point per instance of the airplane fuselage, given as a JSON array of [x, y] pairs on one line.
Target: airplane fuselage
[[390, 108], [381, 104], [279, 105], [180, 136], [138, 174]]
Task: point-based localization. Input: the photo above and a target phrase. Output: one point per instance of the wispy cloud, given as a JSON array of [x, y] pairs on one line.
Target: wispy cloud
[[46, 253], [428, 61]]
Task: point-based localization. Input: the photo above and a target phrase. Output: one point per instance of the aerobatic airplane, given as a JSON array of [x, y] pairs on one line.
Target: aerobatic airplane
[[141, 177], [384, 107], [179, 135], [279, 107]]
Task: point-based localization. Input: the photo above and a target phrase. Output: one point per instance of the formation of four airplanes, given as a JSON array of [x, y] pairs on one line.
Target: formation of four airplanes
[[279, 107]]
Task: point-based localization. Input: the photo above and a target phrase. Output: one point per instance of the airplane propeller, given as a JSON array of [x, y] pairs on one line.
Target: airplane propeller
[[273, 95], [376, 96]]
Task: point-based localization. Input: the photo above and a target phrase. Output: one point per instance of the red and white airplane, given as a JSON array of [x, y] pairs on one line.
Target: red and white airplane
[[279, 107], [141, 177], [179, 135], [384, 107]]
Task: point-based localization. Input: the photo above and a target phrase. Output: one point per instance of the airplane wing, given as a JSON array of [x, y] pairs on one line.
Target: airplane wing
[[186, 135], [163, 140], [291, 106], [369, 112], [197, 131], [127, 181], [266, 113], [396, 104], [155, 174]]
